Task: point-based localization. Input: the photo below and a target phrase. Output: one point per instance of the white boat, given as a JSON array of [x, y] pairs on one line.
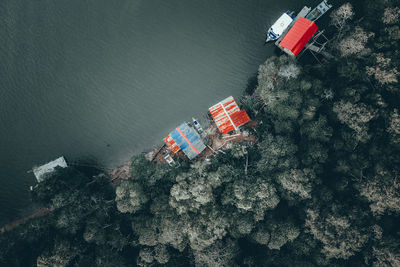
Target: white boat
[[197, 125], [279, 26]]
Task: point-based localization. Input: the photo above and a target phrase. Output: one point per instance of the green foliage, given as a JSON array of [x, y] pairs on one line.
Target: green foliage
[[190, 194], [281, 233], [141, 168], [297, 183], [61, 254], [221, 253], [130, 196], [394, 127], [277, 154], [356, 117], [256, 196], [317, 131], [339, 236], [386, 253], [382, 191]]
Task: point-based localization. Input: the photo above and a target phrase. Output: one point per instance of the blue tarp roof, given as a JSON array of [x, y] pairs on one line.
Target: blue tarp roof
[[188, 140]]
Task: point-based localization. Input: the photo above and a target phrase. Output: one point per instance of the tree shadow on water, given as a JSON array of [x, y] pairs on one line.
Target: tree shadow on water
[[88, 165]]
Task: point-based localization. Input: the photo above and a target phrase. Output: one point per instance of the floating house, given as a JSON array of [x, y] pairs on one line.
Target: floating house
[[298, 36], [185, 138], [44, 170], [301, 33], [228, 116]]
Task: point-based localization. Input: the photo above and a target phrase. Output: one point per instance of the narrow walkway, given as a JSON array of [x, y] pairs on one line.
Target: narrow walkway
[[40, 212]]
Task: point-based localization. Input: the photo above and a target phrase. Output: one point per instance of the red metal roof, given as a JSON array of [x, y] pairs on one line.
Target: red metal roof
[[228, 116], [298, 36], [171, 144]]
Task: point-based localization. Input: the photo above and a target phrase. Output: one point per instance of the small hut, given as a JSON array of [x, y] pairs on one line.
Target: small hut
[[228, 116], [298, 36], [185, 138]]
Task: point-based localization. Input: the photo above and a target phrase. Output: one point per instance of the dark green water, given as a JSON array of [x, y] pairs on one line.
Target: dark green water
[[106, 79]]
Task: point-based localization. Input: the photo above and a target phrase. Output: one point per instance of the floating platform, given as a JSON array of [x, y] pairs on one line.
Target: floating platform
[[43, 171]]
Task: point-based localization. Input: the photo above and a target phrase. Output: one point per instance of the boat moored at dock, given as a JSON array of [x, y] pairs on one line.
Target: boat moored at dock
[[197, 126], [275, 31], [319, 10], [302, 32]]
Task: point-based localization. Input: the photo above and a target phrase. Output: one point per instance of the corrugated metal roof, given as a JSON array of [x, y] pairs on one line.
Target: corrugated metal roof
[[298, 36], [187, 139], [228, 116], [171, 144]]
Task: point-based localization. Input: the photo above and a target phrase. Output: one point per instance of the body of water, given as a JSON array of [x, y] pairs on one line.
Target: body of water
[[106, 79]]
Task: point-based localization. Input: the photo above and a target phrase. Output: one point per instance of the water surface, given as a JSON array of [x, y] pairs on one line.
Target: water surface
[[106, 79]]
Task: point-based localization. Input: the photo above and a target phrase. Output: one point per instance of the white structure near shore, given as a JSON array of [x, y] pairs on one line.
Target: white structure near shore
[[42, 171]]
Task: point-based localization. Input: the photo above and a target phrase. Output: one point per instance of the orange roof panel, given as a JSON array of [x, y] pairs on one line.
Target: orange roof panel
[[172, 144], [228, 116]]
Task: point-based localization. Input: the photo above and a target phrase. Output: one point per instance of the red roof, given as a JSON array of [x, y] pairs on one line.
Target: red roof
[[298, 36], [228, 116], [171, 144]]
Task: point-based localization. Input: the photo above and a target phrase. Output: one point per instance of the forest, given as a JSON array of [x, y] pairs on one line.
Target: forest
[[322, 186]]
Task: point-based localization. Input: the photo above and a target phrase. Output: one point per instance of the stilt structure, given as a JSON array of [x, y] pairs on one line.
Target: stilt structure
[[317, 45]]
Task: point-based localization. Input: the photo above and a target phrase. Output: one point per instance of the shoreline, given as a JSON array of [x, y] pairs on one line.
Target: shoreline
[[217, 143]]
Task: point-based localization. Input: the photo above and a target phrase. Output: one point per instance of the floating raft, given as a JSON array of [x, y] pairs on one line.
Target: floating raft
[[44, 170]]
